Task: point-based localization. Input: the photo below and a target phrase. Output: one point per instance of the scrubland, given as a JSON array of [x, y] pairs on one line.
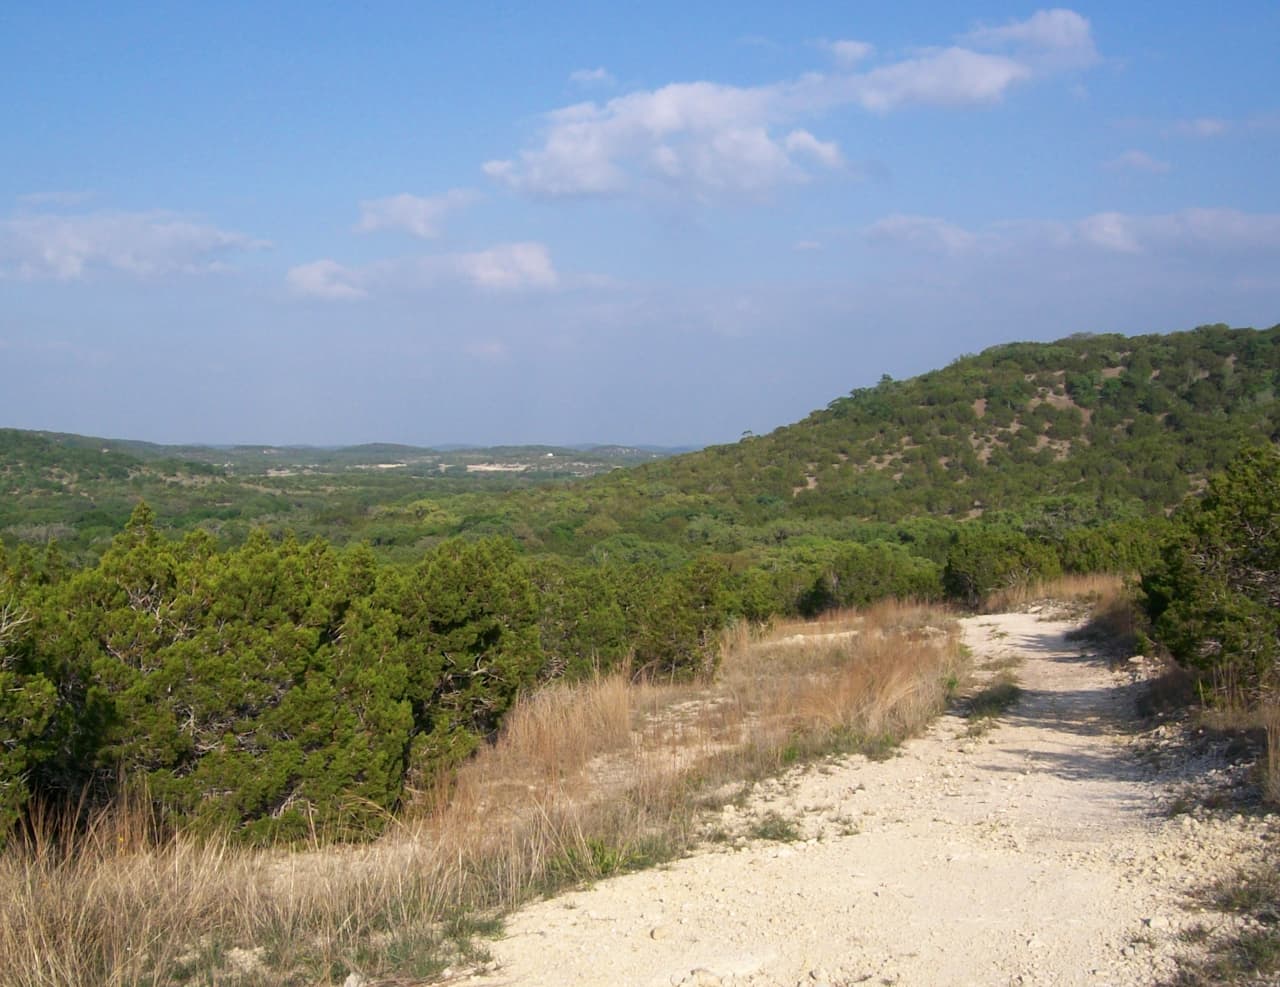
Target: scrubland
[[584, 780]]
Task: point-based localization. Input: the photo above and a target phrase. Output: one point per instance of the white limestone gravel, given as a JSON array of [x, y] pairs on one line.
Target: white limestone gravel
[[1037, 853]]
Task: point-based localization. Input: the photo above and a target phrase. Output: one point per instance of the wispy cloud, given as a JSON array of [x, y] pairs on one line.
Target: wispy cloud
[[1047, 41], [803, 143], [1187, 231], [506, 267], [1141, 161], [592, 77], [943, 77], [1211, 230], [326, 279], [709, 139], [1200, 127], [412, 214], [70, 246], [848, 51], [1208, 128], [921, 233]]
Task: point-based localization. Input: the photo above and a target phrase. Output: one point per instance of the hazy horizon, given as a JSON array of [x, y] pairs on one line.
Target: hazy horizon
[[661, 226]]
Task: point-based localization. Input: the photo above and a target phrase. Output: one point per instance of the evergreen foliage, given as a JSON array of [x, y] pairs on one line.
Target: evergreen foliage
[[282, 690], [1214, 595]]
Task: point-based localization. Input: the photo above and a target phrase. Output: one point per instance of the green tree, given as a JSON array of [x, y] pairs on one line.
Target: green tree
[[28, 708], [986, 558], [1214, 596], [468, 630]]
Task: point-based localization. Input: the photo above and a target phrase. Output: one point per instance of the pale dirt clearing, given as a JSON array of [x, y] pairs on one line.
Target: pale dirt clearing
[[1037, 853]]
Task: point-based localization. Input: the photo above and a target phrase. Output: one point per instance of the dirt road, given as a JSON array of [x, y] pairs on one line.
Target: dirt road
[[1037, 853]]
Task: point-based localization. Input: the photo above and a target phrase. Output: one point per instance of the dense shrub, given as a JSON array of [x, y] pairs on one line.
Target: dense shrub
[[281, 690], [1214, 596], [986, 558]]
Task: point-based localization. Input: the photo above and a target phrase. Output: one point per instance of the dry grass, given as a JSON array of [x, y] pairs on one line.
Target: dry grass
[[586, 780], [1243, 952], [1095, 590], [1271, 769]]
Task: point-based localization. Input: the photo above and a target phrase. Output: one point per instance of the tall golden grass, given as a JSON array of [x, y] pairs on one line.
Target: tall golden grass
[[1271, 768], [585, 780], [1098, 589]]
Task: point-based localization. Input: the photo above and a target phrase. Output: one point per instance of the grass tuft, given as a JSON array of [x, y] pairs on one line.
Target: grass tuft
[[1249, 950], [775, 827], [986, 706]]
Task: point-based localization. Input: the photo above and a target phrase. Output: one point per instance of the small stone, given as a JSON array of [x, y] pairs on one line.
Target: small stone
[[659, 932], [354, 980]]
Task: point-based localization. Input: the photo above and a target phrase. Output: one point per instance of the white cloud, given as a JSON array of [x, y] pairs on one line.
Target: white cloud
[[1207, 128], [848, 51], [326, 279], [922, 233], [1134, 160], [592, 77], [1050, 38], [946, 77], [503, 268], [67, 247], [805, 246], [509, 266], [1111, 231], [411, 213], [1196, 231], [1210, 229], [709, 139], [824, 152]]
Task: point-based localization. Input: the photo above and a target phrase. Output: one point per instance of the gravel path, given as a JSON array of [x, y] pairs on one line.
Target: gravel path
[[1036, 853]]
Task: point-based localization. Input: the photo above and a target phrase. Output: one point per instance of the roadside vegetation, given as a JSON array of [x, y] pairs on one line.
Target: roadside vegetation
[[1213, 602], [584, 780]]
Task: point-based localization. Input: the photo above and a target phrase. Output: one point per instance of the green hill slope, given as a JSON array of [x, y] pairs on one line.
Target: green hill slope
[[1135, 421]]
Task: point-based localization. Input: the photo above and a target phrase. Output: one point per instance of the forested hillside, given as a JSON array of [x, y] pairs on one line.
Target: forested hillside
[[271, 676], [1129, 423], [1083, 446]]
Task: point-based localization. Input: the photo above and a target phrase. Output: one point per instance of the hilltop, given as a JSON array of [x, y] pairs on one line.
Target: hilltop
[[1137, 420]]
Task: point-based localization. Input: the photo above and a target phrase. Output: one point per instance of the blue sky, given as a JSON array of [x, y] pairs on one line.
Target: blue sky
[[666, 223]]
